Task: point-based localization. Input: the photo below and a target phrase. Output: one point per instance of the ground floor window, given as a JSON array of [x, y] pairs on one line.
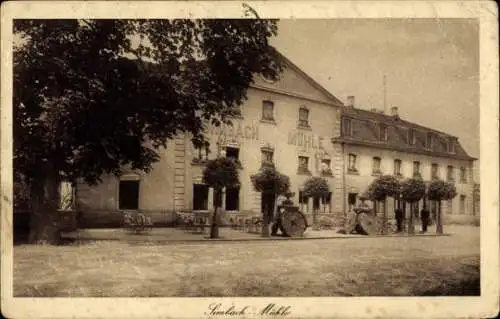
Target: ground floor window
[[327, 203], [128, 195], [200, 197], [233, 198]]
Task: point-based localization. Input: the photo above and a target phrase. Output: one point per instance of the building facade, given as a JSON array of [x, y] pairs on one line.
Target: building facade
[[374, 144], [305, 131], [290, 122]]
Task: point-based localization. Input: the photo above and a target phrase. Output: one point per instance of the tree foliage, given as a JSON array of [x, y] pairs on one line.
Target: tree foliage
[[270, 181], [221, 172], [89, 99], [440, 190], [316, 187], [412, 190], [382, 187]]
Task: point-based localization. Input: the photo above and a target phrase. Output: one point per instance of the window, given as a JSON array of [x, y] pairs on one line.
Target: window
[[200, 197], [434, 171], [325, 167], [463, 174], [303, 117], [416, 169], [450, 174], [449, 206], [347, 127], [303, 164], [411, 136], [352, 163], [268, 110], [429, 140], [397, 167], [128, 195], [451, 146], [202, 151], [462, 204], [232, 152], [267, 156], [383, 132], [233, 198], [376, 165]]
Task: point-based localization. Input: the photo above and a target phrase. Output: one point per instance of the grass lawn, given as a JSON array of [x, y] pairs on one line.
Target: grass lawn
[[331, 267]]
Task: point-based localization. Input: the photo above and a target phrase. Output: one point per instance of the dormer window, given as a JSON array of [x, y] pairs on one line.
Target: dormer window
[[429, 140], [347, 127], [451, 146], [411, 136], [383, 132]]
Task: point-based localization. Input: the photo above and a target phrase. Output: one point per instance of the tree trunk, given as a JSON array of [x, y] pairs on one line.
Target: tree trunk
[[269, 204], [44, 212], [411, 225], [214, 227], [439, 221], [384, 220]]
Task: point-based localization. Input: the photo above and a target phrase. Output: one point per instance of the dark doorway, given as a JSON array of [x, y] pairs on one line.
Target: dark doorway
[[233, 198], [351, 200], [128, 195], [267, 203]]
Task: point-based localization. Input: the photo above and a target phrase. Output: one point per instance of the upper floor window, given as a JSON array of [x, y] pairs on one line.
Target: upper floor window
[[352, 163], [397, 167], [325, 167], [434, 171], [347, 127], [303, 117], [201, 151], [383, 132], [416, 169], [463, 174], [376, 165], [267, 156], [303, 164], [450, 173], [268, 110]]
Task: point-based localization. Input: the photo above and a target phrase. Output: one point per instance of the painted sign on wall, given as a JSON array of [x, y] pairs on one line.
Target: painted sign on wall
[[305, 140], [237, 131]]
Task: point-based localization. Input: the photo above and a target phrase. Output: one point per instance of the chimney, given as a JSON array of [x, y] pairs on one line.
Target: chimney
[[394, 111], [350, 101]]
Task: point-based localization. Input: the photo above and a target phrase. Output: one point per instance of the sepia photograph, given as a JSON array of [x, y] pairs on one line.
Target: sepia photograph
[[247, 156]]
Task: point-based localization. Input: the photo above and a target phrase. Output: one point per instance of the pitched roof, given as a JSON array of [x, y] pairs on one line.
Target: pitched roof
[[309, 79], [366, 130]]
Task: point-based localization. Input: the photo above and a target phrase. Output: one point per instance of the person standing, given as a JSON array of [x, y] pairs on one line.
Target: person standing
[[399, 218], [424, 216]]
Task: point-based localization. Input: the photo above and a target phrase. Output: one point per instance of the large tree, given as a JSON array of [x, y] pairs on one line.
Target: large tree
[[440, 190], [316, 187], [94, 96], [378, 191]]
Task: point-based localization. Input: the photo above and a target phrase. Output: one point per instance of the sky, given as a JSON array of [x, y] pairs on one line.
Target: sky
[[431, 67]]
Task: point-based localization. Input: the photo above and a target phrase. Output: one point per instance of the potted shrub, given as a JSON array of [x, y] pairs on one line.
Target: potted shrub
[[412, 191], [220, 173], [316, 187], [440, 190], [382, 187], [270, 183]]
